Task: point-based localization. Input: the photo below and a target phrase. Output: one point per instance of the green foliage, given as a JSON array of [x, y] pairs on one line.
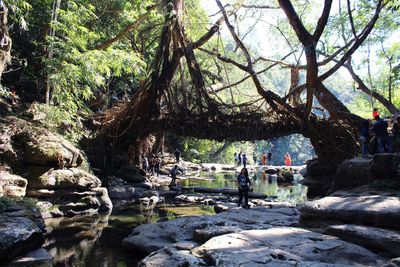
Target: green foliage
[[59, 120], [76, 70], [199, 150], [18, 10]]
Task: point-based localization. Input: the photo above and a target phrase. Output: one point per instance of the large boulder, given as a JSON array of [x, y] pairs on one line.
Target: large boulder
[[69, 192], [375, 210], [39, 146], [316, 168], [18, 235], [131, 174], [67, 202], [284, 246], [353, 172], [360, 171], [12, 185], [384, 166], [72, 178], [373, 238]]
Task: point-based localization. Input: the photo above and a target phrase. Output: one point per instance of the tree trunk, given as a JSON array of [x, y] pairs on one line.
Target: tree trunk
[[5, 40], [52, 33]]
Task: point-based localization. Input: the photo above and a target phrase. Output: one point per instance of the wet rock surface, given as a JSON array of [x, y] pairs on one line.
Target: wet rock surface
[[34, 257], [18, 235], [149, 238]]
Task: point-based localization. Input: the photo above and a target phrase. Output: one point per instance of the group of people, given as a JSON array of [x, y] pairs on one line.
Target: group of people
[[266, 158], [382, 137], [151, 164], [240, 159]]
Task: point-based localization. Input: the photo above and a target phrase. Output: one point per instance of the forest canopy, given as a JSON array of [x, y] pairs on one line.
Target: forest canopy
[[302, 62]]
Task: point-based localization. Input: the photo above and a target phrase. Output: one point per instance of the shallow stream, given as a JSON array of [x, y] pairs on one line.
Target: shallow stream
[[96, 240]]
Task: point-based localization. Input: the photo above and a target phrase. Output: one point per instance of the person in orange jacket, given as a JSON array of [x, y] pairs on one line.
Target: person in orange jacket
[[288, 160]]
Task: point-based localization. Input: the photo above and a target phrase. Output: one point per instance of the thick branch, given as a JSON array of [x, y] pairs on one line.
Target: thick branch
[[353, 29], [239, 42], [364, 88], [322, 20], [207, 36], [226, 59], [294, 20], [364, 34]]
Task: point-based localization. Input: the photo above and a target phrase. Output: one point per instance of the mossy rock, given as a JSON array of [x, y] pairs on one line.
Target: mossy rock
[[41, 147], [72, 178]]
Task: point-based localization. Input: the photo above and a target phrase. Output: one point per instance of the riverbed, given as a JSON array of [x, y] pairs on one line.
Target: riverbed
[[97, 240]]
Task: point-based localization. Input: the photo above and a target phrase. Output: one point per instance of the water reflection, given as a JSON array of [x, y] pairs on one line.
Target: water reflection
[[90, 241], [97, 240], [294, 193]]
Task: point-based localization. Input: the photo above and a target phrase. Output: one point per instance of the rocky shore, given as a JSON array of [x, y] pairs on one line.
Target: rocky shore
[[353, 223], [353, 226], [42, 175]]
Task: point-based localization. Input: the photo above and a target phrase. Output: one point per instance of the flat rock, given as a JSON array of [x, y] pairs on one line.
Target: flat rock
[[284, 246], [171, 257], [121, 192], [369, 237], [35, 256], [151, 237], [372, 210]]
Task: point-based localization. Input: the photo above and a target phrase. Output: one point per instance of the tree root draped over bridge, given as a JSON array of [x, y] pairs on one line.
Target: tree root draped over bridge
[[162, 105]]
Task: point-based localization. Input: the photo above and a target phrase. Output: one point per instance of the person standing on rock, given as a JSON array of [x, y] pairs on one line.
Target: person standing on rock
[[255, 159], [263, 159], [145, 163], [375, 113], [244, 184], [235, 155], [269, 157], [240, 159], [157, 164], [177, 155], [382, 135], [364, 136], [244, 159], [174, 172]]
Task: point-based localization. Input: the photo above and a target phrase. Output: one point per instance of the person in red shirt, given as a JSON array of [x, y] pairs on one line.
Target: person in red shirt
[[375, 113]]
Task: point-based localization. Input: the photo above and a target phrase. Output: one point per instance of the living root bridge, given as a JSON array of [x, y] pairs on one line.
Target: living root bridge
[[188, 108]]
